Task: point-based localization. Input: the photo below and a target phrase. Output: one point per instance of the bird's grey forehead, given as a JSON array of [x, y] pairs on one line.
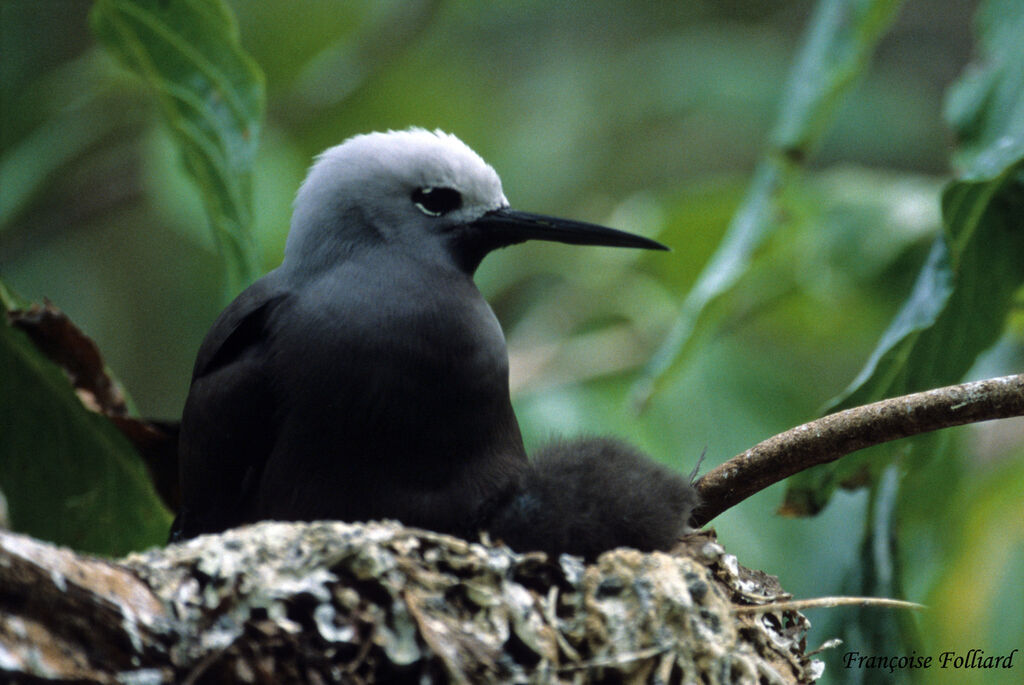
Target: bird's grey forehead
[[415, 158]]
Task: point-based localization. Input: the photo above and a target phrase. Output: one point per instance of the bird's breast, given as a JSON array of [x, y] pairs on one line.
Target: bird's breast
[[394, 403], [422, 356]]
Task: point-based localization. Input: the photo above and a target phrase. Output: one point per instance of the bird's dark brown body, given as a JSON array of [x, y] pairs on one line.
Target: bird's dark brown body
[[367, 378], [397, 406]]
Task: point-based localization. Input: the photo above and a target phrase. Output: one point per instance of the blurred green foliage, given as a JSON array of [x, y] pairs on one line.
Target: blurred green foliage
[[840, 41], [211, 94], [648, 117], [68, 473], [963, 294]]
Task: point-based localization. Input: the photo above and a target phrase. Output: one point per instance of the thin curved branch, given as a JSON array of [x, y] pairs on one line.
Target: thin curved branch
[[836, 435]]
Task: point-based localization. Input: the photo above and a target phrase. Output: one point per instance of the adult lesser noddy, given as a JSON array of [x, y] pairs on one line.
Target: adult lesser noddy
[[367, 378]]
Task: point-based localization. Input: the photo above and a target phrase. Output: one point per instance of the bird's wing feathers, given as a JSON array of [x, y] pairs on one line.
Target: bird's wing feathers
[[228, 426], [239, 328]]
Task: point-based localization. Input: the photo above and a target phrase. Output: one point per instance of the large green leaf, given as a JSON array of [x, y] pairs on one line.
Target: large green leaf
[[212, 97], [836, 51], [965, 290], [67, 473]]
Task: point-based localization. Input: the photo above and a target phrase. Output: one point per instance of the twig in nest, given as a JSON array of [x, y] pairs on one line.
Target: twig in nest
[[827, 603], [836, 435]]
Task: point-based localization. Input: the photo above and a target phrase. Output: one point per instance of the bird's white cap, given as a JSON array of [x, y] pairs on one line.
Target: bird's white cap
[[361, 189]]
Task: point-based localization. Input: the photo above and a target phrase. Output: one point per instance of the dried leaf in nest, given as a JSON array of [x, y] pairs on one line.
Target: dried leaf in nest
[[66, 345], [377, 602]]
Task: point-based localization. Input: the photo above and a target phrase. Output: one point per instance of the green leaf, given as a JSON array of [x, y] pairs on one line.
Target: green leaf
[[963, 294], [67, 473], [985, 106], [837, 47], [212, 97]]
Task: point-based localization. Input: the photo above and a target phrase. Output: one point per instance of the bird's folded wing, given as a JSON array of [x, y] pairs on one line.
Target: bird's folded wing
[[228, 428], [239, 330]]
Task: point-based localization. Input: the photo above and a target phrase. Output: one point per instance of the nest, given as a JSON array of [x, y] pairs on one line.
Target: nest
[[364, 603]]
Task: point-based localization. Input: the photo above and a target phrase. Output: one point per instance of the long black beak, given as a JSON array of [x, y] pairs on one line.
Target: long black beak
[[508, 226]]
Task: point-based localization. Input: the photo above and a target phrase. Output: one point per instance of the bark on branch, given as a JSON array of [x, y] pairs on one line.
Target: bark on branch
[[836, 435]]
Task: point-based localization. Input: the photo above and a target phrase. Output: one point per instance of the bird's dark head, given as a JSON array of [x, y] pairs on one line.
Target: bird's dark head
[[421, 191]]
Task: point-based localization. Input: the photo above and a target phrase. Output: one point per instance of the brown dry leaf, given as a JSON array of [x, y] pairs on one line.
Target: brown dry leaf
[[66, 345]]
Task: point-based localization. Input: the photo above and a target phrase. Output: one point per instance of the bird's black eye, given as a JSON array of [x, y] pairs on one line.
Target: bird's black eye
[[436, 201]]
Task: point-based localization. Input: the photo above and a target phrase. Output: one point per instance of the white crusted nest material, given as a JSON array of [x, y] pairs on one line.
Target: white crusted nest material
[[377, 602]]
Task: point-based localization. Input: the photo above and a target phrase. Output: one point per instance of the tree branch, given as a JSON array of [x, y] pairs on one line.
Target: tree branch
[[836, 435]]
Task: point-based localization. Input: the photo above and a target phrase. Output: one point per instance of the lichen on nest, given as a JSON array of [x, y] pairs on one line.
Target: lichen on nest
[[377, 601]]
